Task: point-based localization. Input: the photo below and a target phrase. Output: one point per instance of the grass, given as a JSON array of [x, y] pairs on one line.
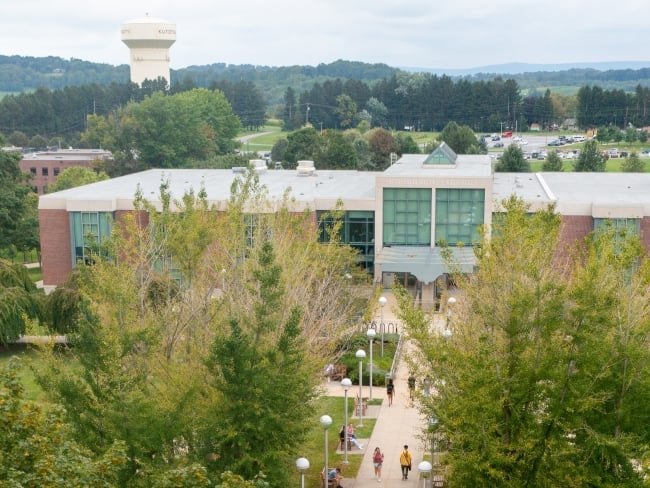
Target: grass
[[313, 448], [26, 356]]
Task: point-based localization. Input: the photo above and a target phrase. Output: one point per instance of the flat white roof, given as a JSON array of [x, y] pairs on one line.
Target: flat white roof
[[318, 191]]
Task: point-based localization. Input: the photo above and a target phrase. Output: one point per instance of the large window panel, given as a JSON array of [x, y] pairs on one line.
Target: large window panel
[[407, 217], [459, 214], [89, 230]]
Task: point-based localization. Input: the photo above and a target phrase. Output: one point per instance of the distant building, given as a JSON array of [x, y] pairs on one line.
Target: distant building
[[45, 166]]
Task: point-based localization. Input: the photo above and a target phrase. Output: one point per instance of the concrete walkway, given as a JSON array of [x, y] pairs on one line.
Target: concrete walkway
[[396, 426]]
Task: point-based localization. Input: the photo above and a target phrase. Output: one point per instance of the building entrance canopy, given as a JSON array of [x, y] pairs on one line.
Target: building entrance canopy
[[425, 263]]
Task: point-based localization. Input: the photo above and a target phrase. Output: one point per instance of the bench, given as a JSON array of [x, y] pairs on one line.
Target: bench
[[334, 483]]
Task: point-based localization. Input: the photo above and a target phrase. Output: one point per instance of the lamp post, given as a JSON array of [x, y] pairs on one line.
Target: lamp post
[[450, 302], [371, 335], [325, 422], [360, 355], [346, 384], [302, 464], [382, 303], [424, 467], [433, 421]]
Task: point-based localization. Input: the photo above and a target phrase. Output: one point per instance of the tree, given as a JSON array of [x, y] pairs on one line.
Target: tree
[[76, 176], [19, 301], [290, 119], [18, 139], [553, 162], [249, 366], [167, 131], [336, 152], [381, 144], [37, 447], [377, 111], [406, 144], [38, 142], [346, 110], [513, 161], [460, 138], [590, 159], [633, 164], [13, 199], [151, 324], [524, 397], [302, 144]]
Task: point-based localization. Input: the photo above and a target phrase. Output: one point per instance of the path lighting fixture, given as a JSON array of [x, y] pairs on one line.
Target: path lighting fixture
[[371, 335], [382, 303], [433, 421], [361, 354], [346, 383], [425, 467], [325, 422], [302, 464], [450, 302]]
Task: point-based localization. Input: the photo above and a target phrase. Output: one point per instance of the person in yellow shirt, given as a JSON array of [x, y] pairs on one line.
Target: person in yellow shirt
[[405, 462]]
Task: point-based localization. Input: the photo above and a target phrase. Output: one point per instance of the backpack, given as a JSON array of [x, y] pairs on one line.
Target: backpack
[[389, 388]]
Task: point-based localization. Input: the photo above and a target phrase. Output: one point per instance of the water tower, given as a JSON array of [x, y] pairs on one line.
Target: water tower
[[149, 40]]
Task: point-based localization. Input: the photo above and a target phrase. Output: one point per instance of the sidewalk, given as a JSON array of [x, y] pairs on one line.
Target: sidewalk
[[396, 426]]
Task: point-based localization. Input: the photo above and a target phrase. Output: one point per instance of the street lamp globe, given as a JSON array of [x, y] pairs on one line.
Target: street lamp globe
[[325, 421], [360, 354], [302, 464], [424, 467], [346, 383], [371, 334]]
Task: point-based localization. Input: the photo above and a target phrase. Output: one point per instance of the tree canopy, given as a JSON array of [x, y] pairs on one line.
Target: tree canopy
[[544, 374], [196, 315]]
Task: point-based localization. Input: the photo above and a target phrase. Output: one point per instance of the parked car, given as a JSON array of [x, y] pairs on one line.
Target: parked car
[[498, 144]]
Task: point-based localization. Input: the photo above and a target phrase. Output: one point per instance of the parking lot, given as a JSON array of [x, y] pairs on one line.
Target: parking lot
[[529, 143]]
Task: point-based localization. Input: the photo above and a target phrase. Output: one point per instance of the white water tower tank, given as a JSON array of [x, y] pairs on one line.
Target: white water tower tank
[[149, 40]]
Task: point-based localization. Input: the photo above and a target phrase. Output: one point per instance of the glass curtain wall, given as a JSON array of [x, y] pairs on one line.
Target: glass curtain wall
[[459, 213], [407, 216]]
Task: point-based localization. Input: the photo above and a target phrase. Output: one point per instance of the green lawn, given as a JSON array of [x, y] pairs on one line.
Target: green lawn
[[313, 449]]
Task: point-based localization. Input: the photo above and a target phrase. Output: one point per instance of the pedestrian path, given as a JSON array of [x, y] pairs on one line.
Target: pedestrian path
[[396, 426]]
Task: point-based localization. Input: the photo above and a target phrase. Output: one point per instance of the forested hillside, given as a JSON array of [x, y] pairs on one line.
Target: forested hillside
[[22, 74]]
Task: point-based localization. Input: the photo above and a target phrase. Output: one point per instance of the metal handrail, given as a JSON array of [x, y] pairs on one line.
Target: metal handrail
[[398, 351]]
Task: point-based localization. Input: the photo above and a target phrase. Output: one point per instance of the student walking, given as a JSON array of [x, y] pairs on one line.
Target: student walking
[[377, 462], [411, 382], [390, 391], [405, 462]]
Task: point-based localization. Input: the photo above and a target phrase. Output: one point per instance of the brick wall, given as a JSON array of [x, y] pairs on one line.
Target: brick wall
[[54, 227], [573, 231]]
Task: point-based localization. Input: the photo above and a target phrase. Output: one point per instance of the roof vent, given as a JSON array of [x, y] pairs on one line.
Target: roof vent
[[305, 168]]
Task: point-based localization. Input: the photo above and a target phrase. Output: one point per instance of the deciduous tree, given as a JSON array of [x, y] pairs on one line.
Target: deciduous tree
[[542, 378]]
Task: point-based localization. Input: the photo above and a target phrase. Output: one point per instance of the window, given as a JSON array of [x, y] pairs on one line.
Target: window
[[88, 231], [32, 171], [45, 171], [459, 213], [56, 171], [407, 216], [357, 230]]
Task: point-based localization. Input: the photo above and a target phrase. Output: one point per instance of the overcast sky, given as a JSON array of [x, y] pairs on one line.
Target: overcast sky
[[415, 33]]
